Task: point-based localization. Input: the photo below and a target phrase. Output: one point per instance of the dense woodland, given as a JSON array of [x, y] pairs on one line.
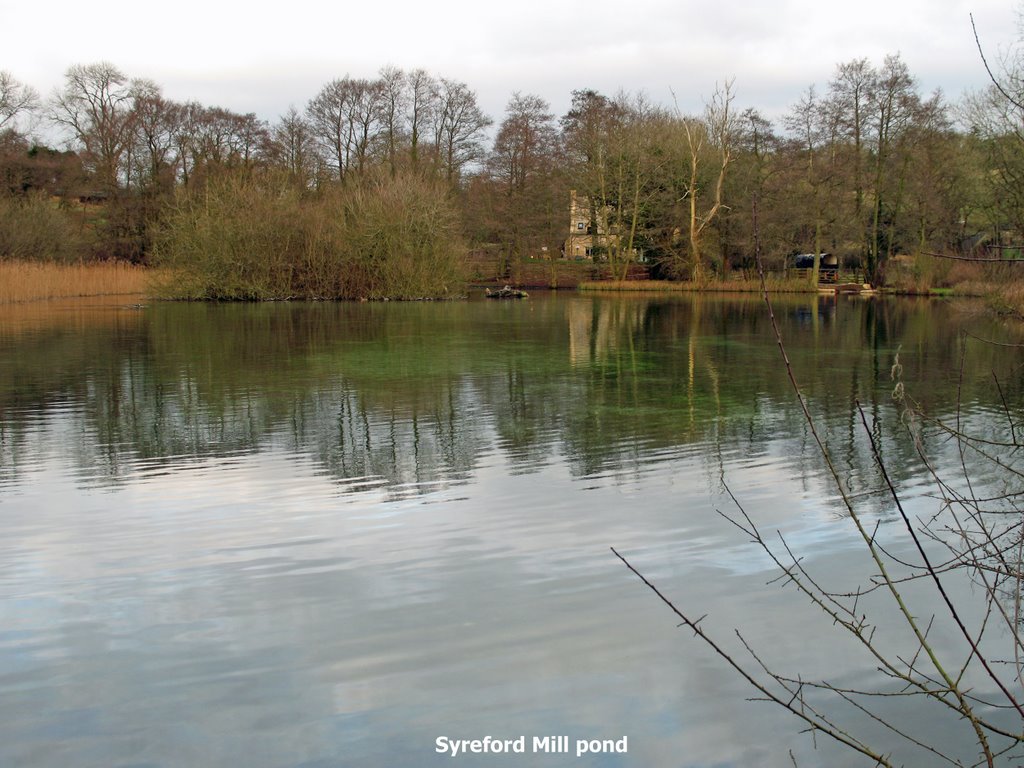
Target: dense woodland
[[405, 174]]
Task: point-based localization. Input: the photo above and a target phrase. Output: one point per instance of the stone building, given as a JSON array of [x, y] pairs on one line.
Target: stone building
[[583, 242]]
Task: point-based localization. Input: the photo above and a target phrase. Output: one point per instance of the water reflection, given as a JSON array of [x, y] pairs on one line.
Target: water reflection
[[415, 395], [326, 534]]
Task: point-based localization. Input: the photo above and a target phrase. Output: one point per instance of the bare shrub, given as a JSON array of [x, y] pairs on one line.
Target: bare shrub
[[253, 236], [400, 239], [237, 238], [32, 228]]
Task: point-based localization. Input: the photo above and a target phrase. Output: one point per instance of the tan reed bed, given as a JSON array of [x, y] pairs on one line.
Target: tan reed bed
[[31, 281]]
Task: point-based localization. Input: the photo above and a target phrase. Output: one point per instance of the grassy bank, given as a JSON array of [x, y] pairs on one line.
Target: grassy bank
[[724, 286], [30, 281], [1002, 292]]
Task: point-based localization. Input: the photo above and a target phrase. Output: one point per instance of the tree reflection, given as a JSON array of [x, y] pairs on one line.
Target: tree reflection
[[415, 395]]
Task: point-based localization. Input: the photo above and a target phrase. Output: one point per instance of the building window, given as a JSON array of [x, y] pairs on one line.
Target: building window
[[580, 225]]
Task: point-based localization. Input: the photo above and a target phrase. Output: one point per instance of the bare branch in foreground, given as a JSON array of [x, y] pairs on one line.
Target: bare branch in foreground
[[791, 705]]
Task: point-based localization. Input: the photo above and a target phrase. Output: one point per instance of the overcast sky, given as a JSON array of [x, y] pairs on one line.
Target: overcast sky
[[262, 58]]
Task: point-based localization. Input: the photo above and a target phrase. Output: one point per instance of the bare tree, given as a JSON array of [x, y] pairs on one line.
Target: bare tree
[[343, 117], [459, 127], [810, 121], [185, 136], [248, 138], [996, 115], [364, 120], [421, 105], [623, 154], [850, 92], [895, 105], [328, 117], [225, 138], [636, 164], [525, 142], [96, 106], [758, 171], [588, 130], [712, 135], [154, 149], [291, 147], [522, 163], [15, 98], [391, 107]]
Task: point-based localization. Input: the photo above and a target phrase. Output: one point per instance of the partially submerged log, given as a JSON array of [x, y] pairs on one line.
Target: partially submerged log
[[507, 293]]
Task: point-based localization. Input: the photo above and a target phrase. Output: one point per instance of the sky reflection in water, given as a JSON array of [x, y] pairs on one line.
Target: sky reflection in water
[[327, 535]]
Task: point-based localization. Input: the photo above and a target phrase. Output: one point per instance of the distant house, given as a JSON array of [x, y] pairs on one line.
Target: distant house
[[583, 242]]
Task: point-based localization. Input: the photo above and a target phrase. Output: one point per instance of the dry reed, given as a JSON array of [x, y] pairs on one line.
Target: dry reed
[[30, 281], [1005, 299]]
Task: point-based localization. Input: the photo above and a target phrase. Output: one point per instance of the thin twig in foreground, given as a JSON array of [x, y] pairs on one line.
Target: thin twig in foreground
[[817, 726]]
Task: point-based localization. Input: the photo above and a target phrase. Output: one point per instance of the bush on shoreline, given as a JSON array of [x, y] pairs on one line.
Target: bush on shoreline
[[253, 236], [33, 228]]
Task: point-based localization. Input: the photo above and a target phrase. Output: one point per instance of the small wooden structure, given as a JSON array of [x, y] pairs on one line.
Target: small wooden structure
[[828, 266]]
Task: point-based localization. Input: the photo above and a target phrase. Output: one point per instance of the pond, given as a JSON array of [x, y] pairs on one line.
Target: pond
[[332, 534]]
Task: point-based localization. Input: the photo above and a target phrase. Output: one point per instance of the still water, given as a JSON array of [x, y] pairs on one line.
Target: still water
[[329, 534]]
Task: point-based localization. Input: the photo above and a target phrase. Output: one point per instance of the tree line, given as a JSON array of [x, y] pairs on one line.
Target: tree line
[[866, 167]]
